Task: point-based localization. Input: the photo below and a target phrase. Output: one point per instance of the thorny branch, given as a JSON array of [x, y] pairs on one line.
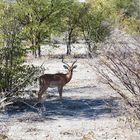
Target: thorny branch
[[119, 67]]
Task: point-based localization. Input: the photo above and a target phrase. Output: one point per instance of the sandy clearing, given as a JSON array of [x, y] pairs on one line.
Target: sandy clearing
[[89, 110]]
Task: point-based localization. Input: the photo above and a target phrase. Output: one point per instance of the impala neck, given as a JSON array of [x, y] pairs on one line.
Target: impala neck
[[69, 75]]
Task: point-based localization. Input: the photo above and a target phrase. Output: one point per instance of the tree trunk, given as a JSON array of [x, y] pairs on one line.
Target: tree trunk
[[11, 67], [68, 49], [89, 48], [39, 51], [69, 43], [34, 52], [34, 47], [88, 42]]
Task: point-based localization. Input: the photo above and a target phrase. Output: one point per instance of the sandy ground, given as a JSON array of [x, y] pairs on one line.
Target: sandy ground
[[89, 110]]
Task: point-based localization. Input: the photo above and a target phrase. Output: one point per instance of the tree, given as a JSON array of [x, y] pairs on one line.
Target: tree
[[94, 23], [72, 15], [32, 16], [11, 51], [40, 19], [129, 15]]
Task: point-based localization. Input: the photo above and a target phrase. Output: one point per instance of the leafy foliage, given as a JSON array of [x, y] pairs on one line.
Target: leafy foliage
[[12, 51], [129, 13]]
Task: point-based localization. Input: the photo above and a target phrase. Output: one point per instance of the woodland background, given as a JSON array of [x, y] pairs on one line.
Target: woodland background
[[28, 27]]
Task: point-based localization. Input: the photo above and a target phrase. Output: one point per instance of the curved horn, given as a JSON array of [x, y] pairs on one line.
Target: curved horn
[[64, 62], [74, 63]]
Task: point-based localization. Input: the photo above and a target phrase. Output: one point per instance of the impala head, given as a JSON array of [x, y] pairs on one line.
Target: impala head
[[68, 67]]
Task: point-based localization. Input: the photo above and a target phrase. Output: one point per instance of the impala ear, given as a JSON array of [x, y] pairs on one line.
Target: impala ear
[[65, 66], [74, 66]]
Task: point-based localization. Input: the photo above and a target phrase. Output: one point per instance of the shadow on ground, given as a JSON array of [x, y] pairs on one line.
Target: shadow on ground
[[68, 108]]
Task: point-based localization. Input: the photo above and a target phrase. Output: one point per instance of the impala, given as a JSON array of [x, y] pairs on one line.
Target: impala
[[58, 80]]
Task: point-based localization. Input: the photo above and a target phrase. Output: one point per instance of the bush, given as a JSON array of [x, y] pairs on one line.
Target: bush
[[119, 67], [15, 75]]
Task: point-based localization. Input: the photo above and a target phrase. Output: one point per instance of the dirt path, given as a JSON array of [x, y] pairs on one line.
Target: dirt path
[[88, 111]]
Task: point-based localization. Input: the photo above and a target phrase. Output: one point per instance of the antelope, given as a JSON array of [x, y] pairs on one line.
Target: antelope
[[58, 80]]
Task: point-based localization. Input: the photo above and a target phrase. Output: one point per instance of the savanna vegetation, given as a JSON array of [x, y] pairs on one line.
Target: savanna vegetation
[[25, 25]]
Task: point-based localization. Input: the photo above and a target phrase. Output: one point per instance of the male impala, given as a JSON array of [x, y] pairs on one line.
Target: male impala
[[58, 80]]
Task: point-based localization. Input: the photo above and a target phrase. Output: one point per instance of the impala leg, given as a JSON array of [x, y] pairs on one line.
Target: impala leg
[[41, 92], [60, 90]]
